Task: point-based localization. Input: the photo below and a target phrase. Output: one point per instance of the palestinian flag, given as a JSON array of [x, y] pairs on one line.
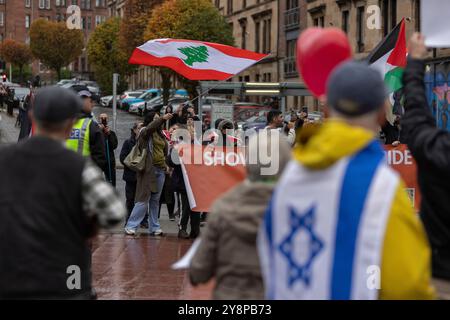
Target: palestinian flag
[[389, 57], [195, 60]]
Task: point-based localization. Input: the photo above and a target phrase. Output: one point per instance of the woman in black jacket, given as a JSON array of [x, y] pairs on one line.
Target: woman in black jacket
[[129, 176], [179, 186]]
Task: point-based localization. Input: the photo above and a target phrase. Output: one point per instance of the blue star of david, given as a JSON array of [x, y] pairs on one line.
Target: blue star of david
[[298, 272]]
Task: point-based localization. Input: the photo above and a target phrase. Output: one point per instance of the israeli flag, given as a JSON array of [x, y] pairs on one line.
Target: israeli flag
[[323, 233]]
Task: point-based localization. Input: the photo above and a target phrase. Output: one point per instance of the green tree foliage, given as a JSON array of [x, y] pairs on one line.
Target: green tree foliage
[[16, 53], [191, 20], [54, 44], [106, 57]]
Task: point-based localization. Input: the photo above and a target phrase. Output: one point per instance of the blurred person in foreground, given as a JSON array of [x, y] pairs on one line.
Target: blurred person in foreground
[[228, 249], [52, 202], [430, 147], [340, 225]]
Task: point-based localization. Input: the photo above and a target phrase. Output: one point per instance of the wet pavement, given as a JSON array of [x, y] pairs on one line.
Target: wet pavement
[[127, 267]]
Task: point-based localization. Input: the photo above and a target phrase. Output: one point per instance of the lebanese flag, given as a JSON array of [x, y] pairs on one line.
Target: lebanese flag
[[195, 60], [389, 57]]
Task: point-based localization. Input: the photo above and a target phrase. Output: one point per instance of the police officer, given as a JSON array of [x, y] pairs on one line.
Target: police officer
[[87, 138], [52, 201]]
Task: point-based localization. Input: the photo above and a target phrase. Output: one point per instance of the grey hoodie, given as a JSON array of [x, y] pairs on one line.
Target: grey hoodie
[[228, 249]]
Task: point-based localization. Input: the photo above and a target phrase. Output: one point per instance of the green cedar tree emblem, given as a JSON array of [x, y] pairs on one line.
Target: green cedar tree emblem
[[195, 54]]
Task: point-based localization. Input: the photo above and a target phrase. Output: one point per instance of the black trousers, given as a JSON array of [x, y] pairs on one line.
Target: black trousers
[[111, 179], [130, 194], [187, 214]]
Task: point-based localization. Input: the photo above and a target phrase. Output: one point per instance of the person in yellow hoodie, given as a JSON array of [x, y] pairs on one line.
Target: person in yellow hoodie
[[340, 225]]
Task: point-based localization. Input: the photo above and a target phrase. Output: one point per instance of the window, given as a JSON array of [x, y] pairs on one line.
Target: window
[[99, 20], [257, 36], [290, 48], [83, 64], [89, 23], [27, 21], [319, 22], [291, 4], [27, 3], [75, 2], [44, 4], [360, 28], [86, 4], [2, 18], [267, 34], [290, 68], [100, 3], [244, 4], [345, 16], [83, 23], [217, 2], [229, 6], [2, 1], [244, 34], [60, 3], [389, 15], [267, 77]]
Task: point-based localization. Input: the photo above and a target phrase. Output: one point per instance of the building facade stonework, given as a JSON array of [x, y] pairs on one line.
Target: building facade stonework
[[16, 17], [255, 28]]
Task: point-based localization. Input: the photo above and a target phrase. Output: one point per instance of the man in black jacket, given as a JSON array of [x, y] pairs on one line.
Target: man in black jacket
[[430, 147], [111, 144], [52, 202]]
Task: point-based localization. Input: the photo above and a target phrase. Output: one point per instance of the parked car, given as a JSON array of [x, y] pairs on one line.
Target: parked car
[[257, 123], [106, 101], [147, 95], [175, 102], [78, 87], [128, 95], [245, 110], [65, 81]]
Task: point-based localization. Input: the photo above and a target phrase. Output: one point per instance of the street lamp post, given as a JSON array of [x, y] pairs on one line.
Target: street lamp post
[[115, 81]]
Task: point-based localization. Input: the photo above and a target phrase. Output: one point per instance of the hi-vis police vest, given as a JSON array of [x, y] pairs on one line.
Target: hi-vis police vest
[[79, 138]]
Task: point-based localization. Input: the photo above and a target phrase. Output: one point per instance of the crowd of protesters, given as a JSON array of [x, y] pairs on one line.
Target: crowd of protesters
[[333, 187], [338, 191]]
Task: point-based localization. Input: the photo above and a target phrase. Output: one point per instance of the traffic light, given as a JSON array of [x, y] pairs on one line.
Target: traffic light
[[4, 77]]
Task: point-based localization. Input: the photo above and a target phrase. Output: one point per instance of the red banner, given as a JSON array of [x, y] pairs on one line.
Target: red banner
[[210, 172], [401, 159]]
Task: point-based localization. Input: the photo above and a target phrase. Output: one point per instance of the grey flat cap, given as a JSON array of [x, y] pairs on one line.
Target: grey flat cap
[[55, 104]]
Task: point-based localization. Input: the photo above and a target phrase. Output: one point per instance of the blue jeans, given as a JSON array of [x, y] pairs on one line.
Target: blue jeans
[[141, 208]]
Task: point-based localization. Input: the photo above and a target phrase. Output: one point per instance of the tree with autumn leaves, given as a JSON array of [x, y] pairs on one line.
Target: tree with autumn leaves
[[16, 53], [54, 44], [187, 19], [106, 56]]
